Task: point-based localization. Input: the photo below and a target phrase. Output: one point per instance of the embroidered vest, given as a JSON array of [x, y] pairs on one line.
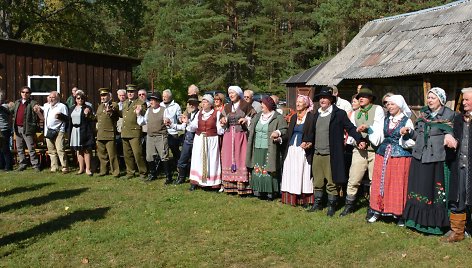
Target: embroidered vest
[[392, 137], [207, 126]]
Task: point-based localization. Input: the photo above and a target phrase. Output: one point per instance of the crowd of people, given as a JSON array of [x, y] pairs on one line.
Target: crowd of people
[[419, 171]]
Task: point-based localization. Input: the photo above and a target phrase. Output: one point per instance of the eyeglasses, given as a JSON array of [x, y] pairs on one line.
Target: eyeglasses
[[247, 97], [78, 98], [26, 92], [142, 94], [384, 102]]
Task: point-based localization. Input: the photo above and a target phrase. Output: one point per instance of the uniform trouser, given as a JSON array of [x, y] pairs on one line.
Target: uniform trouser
[[157, 145], [185, 155], [322, 170], [29, 141], [133, 155], [362, 160], [106, 151], [55, 149], [6, 159]]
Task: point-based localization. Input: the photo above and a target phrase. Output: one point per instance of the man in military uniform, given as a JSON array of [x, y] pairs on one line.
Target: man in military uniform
[[107, 116], [131, 134]]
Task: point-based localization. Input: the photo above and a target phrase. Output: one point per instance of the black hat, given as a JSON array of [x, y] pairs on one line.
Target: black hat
[[104, 90], [365, 92], [156, 95], [326, 92], [193, 98]]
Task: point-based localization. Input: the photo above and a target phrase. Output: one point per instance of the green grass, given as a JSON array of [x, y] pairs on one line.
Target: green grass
[[60, 220]]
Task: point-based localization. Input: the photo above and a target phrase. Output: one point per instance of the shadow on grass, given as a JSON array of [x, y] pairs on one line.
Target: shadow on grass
[[58, 224], [37, 201], [23, 189]]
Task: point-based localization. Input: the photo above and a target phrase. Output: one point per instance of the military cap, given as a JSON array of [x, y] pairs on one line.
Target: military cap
[[130, 87], [104, 90]]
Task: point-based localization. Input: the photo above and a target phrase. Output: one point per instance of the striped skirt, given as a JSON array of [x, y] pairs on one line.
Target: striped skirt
[[388, 196]]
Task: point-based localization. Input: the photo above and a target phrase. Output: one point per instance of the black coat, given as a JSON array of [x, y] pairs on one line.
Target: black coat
[[308, 132], [337, 124], [87, 127], [454, 161]]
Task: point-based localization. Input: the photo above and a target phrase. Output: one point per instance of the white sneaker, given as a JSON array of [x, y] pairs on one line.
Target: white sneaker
[[373, 219]]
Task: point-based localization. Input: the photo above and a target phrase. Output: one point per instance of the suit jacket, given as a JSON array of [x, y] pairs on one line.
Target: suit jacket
[[454, 187], [337, 124]]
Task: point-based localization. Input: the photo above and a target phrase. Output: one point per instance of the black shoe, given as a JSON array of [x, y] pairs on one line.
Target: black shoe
[[348, 209], [102, 174], [193, 187], [151, 177], [168, 172]]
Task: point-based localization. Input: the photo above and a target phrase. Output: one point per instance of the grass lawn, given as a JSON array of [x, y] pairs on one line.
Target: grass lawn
[[76, 221]]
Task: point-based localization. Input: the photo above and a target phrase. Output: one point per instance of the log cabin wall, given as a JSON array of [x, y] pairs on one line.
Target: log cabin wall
[[76, 68]]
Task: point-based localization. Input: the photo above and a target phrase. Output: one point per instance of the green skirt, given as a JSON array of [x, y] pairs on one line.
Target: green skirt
[[263, 181]]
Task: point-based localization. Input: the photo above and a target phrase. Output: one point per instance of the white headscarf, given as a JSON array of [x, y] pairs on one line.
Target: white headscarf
[[400, 102], [209, 98], [237, 90]]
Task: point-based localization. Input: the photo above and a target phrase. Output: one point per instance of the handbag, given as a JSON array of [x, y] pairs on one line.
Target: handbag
[[52, 133]]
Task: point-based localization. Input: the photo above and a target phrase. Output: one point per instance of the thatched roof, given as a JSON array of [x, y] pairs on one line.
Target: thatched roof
[[433, 40], [303, 77]]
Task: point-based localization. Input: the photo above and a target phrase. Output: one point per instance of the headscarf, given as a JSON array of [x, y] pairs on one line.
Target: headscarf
[[440, 93], [209, 98], [269, 103], [308, 101], [238, 91], [400, 102]]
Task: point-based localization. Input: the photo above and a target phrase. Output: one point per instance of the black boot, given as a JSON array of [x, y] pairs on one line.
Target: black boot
[[152, 171], [167, 172], [193, 187], [331, 205], [317, 204], [349, 208], [181, 176]]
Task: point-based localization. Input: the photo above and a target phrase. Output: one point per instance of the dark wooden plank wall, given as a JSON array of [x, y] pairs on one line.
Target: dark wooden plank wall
[[87, 71]]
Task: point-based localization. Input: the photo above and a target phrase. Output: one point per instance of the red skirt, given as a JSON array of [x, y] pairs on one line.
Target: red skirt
[[393, 201], [300, 200]]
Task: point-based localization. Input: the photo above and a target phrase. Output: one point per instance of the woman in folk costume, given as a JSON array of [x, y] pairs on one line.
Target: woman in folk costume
[[264, 150], [426, 204], [205, 170], [392, 162], [237, 116], [297, 184]]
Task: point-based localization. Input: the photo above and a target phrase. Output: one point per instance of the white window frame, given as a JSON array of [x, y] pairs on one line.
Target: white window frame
[[58, 83]]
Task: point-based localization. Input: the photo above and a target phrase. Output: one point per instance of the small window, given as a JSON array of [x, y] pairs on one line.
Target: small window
[[43, 84]]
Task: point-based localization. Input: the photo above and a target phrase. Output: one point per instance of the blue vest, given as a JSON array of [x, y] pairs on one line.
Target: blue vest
[[392, 139], [298, 134]]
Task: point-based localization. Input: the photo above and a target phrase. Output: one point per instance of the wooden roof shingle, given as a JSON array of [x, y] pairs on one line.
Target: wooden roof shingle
[[432, 40]]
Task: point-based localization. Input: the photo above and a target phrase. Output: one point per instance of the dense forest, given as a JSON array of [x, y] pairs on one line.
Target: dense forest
[[252, 43]]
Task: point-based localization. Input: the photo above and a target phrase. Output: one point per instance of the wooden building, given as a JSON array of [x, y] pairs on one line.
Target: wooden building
[[45, 68], [407, 54], [296, 84]]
